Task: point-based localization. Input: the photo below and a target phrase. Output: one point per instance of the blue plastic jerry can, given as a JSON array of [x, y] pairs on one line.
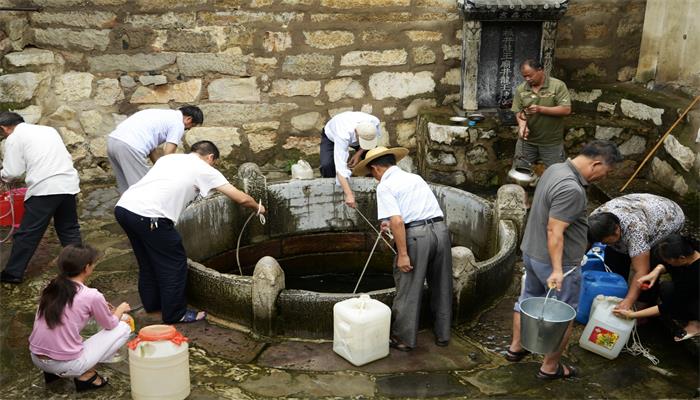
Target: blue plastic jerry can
[[595, 258], [594, 283]]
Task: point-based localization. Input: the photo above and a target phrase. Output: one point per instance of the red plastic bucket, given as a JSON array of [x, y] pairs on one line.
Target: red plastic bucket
[[9, 201]]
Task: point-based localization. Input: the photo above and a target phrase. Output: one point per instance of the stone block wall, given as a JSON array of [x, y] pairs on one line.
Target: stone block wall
[[267, 73], [599, 40]]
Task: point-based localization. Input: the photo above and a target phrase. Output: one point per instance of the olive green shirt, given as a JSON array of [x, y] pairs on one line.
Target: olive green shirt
[[544, 129]]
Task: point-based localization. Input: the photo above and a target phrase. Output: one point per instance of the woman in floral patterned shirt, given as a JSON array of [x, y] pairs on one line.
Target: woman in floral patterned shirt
[[631, 225]]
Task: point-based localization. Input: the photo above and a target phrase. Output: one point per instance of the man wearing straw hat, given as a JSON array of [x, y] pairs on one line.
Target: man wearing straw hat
[[555, 241], [406, 204], [348, 129]]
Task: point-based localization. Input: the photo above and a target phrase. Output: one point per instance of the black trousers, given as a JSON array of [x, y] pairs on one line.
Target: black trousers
[[327, 161], [38, 211], [162, 263]]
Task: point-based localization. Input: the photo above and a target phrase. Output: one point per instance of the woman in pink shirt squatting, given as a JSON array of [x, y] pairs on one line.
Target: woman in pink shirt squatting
[[65, 307]]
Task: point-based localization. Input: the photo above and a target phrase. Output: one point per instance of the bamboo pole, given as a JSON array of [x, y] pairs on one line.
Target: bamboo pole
[[656, 147]]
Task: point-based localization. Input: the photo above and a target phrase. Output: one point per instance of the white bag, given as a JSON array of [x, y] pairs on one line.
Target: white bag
[[302, 170]]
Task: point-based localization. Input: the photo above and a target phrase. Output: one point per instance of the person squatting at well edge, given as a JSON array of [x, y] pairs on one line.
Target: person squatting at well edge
[[66, 306], [38, 153], [406, 204], [148, 211], [354, 129], [680, 298], [631, 225], [140, 136], [554, 241], [539, 104]]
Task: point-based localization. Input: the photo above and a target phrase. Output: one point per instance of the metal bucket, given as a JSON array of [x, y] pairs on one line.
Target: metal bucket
[[542, 333]]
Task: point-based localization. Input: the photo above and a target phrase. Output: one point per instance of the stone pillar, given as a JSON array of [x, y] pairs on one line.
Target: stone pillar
[[268, 282], [511, 205], [471, 45], [463, 278], [549, 37]]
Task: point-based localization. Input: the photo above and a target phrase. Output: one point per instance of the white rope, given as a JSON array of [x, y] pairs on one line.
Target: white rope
[[11, 213], [638, 348], [607, 269], [240, 235], [367, 263], [376, 231]]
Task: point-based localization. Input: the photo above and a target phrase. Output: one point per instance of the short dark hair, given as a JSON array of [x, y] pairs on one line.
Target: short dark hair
[[204, 148], [602, 225], [604, 149], [387, 160], [8, 118], [194, 112], [532, 63], [676, 246]]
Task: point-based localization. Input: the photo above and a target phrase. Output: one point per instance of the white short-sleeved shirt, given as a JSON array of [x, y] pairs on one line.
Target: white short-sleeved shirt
[[38, 151], [173, 182], [148, 129], [405, 194], [341, 131]]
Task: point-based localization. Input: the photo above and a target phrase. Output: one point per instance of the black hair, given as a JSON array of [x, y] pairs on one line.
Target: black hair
[[387, 160], [602, 225], [194, 112], [204, 148], [675, 246], [61, 290], [604, 149], [8, 118], [532, 63]]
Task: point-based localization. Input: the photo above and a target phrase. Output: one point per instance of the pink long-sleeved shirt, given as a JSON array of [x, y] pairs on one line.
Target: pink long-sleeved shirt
[[64, 342]]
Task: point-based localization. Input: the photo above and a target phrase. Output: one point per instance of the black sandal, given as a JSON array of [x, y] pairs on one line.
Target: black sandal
[[395, 344], [515, 356], [559, 374], [50, 378], [89, 384]]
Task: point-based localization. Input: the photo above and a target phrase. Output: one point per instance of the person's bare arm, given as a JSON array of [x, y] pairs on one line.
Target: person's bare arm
[[555, 246], [241, 198], [523, 131], [349, 196], [403, 262], [155, 154], [169, 148], [640, 266], [557, 111]]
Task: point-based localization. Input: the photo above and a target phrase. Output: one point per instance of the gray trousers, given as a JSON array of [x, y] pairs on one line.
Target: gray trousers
[[530, 153], [128, 165], [430, 252]]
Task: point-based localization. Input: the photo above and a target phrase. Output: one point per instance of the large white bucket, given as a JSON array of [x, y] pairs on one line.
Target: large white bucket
[[361, 329], [606, 334], [159, 369]]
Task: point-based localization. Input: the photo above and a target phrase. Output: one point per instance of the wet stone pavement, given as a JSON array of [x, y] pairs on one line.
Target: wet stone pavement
[[230, 364]]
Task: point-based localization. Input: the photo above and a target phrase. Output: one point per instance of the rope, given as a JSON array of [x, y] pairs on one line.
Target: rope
[[11, 213], [367, 263], [638, 348], [240, 235], [376, 231]]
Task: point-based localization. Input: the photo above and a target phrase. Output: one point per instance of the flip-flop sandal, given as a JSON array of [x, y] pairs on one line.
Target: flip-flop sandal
[[395, 344], [81, 386], [682, 335], [515, 356], [191, 316], [559, 374]]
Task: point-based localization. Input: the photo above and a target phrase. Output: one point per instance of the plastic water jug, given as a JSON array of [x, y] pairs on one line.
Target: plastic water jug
[[361, 329], [606, 334], [594, 259], [159, 364], [595, 283], [302, 170]]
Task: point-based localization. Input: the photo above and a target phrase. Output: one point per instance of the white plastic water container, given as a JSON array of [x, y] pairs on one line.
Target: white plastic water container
[[302, 170], [606, 334], [361, 329], [159, 364]]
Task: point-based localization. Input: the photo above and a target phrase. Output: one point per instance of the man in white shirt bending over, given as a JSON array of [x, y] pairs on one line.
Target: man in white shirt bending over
[[148, 212], [38, 152], [141, 135], [354, 129], [406, 204]]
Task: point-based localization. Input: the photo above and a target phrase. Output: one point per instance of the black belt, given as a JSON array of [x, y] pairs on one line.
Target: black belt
[[423, 222]]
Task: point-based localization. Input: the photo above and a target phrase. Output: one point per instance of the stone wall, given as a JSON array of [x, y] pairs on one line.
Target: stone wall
[[599, 40], [267, 73]]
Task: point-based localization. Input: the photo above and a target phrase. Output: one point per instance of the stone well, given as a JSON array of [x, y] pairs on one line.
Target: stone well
[[483, 252]]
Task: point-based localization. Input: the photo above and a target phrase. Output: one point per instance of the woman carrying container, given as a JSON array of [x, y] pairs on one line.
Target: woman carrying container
[[65, 307], [680, 298]]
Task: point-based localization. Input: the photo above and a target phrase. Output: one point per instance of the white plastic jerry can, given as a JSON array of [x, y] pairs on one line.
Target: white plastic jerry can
[[606, 334], [361, 329]]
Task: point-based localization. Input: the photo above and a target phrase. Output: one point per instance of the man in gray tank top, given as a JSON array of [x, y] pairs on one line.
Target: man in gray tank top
[[555, 240]]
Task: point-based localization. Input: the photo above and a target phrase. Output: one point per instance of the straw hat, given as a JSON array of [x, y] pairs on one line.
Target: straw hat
[[362, 170], [366, 135]]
